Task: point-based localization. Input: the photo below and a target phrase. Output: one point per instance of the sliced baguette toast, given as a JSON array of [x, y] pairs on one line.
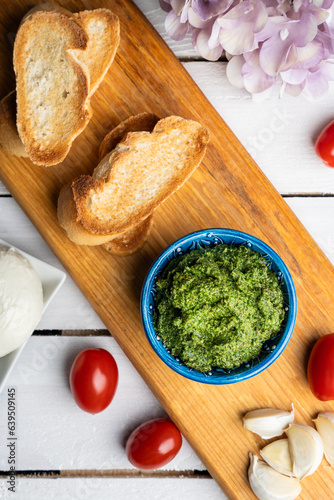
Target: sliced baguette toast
[[124, 244], [133, 239], [51, 86], [143, 122], [57, 72], [138, 175], [102, 28], [67, 218], [127, 242]]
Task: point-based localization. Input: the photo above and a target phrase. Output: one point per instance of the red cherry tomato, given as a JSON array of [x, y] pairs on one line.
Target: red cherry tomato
[[94, 379], [324, 146], [320, 370], [153, 444]]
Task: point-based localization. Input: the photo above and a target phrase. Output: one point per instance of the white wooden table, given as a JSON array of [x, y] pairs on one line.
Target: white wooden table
[[63, 453]]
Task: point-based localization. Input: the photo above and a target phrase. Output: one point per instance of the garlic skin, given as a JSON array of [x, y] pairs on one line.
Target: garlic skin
[[306, 449], [277, 455], [268, 484], [268, 422], [325, 426]]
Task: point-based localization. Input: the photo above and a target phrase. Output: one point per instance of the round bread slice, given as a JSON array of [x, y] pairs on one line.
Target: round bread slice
[[102, 28], [128, 242], [52, 87], [138, 175]]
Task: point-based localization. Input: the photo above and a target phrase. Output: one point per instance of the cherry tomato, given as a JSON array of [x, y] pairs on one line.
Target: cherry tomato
[[324, 146], [320, 370], [94, 379], [153, 444]]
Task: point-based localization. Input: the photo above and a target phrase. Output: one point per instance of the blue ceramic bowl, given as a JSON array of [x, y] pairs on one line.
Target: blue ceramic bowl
[[271, 349]]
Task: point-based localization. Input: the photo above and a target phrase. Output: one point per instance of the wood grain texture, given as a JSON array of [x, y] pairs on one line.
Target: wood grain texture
[[228, 190], [70, 310], [278, 133]]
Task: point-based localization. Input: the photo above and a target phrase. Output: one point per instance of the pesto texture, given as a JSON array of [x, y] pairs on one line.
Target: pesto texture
[[216, 306]]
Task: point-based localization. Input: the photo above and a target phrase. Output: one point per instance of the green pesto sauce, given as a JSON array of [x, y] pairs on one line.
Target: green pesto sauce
[[216, 306]]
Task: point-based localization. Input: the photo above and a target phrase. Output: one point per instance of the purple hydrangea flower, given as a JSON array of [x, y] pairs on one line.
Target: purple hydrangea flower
[[266, 41]]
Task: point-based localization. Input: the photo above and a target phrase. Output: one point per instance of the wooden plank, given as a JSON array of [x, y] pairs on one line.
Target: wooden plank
[[278, 133], [120, 488], [76, 312], [227, 190], [97, 442]]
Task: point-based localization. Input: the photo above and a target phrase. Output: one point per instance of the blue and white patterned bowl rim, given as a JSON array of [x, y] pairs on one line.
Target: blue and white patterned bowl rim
[[271, 349]]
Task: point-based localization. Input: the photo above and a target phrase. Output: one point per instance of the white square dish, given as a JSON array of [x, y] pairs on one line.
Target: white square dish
[[52, 279]]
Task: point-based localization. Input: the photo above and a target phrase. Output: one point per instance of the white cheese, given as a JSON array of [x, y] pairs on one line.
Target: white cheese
[[21, 300]]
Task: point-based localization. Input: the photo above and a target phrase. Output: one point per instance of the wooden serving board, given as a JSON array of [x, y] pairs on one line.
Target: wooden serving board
[[227, 190]]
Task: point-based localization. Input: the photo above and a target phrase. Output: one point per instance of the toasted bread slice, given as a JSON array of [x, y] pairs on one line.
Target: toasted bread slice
[[67, 218], [51, 86], [132, 240], [102, 27], [9, 138], [66, 211], [143, 122], [138, 175], [103, 30]]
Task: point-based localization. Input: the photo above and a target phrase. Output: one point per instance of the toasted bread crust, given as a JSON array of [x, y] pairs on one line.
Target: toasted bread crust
[[103, 29], [122, 196], [81, 189], [9, 138], [132, 240], [47, 71], [66, 211], [50, 5], [137, 123], [67, 215]]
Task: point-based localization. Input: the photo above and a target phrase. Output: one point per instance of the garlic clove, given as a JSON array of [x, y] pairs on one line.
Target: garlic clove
[[268, 422], [268, 484], [306, 449], [325, 426], [277, 455]]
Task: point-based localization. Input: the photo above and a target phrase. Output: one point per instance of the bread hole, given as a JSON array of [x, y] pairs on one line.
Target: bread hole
[[65, 94]]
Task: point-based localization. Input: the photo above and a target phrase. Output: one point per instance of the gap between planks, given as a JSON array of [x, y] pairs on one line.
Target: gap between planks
[[108, 473], [284, 195], [72, 333]]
